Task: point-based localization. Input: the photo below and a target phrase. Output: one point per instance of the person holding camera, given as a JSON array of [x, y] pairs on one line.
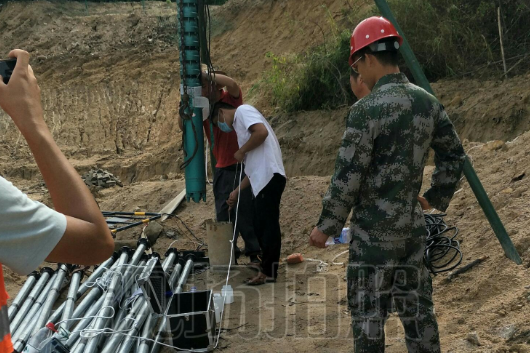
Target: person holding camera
[[75, 232]]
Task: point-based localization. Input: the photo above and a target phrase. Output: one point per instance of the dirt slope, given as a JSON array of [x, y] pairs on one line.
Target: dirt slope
[[110, 81]]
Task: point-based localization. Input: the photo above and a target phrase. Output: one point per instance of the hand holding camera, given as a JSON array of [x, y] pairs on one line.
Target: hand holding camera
[[20, 98]]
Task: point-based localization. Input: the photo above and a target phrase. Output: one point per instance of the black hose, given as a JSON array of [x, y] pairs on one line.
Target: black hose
[[442, 251]]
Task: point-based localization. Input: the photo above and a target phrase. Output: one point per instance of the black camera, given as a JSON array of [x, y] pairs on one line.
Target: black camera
[[6, 69]]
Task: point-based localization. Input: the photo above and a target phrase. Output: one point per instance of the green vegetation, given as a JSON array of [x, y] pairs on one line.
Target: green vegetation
[[449, 37], [456, 37], [317, 79]]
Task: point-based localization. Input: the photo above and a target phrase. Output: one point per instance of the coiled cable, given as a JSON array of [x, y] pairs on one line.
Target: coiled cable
[[442, 251]]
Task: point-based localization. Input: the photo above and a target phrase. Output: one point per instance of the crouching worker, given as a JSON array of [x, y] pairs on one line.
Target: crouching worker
[[260, 151], [75, 232]]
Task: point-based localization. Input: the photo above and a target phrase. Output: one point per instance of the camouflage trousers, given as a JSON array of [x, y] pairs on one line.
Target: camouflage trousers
[[385, 277]]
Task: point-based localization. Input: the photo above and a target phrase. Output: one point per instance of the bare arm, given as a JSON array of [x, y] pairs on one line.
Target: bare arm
[[258, 135], [87, 239], [245, 183], [232, 199], [222, 80]]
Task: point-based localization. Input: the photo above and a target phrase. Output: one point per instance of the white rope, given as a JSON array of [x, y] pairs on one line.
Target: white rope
[[335, 258], [232, 242]]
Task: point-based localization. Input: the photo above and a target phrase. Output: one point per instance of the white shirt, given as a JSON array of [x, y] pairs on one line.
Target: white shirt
[[264, 161], [29, 230]]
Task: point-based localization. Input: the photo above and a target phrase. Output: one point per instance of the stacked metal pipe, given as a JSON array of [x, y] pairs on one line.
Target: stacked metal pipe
[[45, 274], [91, 281], [22, 335], [112, 316], [135, 319], [178, 289], [33, 277]]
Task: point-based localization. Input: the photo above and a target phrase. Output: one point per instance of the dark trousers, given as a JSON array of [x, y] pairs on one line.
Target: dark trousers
[[267, 224], [386, 275], [224, 182]]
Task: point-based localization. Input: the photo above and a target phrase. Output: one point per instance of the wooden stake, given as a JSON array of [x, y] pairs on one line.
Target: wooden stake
[[172, 205], [500, 37]]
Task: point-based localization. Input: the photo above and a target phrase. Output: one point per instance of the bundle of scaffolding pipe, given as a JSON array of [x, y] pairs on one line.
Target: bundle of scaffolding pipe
[[106, 312]]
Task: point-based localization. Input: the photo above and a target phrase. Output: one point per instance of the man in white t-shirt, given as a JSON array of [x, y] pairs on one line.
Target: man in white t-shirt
[[260, 151], [75, 232]]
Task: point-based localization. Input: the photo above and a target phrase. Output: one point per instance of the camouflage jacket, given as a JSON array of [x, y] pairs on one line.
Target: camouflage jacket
[[379, 167]]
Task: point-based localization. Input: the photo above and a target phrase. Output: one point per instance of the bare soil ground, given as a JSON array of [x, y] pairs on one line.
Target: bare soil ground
[[110, 81]]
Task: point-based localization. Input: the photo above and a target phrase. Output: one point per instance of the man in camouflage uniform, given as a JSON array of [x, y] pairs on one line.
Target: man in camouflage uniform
[[378, 173]]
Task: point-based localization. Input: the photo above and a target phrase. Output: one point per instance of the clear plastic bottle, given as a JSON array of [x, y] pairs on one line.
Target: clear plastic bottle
[[218, 302], [47, 340], [228, 294], [37, 343], [344, 238]]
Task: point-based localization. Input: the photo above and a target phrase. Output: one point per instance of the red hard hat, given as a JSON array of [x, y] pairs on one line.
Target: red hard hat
[[369, 31]]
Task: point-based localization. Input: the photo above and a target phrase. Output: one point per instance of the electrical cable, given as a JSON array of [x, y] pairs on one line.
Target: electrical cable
[[200, 242], [442, 251]]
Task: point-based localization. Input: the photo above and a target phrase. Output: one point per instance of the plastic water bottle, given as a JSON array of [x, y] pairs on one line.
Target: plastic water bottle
[[345, 237], [228, 294], [38, 343], [218, 303]]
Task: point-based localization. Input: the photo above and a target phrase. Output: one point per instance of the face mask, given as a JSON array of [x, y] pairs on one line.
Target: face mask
[[223, 126]]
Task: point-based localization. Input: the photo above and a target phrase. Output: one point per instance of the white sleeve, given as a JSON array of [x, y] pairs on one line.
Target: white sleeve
[[248, 116], [29, 230]]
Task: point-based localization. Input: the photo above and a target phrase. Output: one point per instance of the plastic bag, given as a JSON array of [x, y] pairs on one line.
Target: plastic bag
[[45, 341]]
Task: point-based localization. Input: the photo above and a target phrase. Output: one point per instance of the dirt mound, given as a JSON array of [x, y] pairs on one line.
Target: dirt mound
[[110, 82], [110, 78], [487, 110]]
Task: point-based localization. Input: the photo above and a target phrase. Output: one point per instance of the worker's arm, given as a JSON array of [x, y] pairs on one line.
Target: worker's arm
[[232, 199], [87, 239], [449, 160], [223, 81], [352, 162], [258, 135], [218, 80]]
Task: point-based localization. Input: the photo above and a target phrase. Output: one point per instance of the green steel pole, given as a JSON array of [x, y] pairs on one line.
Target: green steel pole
[[190, 70], [469, 172]]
